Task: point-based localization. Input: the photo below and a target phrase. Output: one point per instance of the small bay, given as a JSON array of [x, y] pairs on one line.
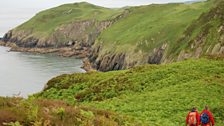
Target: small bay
[[26, 73]]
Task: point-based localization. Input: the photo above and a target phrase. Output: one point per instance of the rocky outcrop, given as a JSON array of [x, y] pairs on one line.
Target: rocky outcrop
[[111, 62], [7, 36], [79, 34], [106, 62], [157, 56], [123, 60]]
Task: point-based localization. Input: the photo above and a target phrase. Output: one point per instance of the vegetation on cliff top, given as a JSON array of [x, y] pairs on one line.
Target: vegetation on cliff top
[[153, 94]]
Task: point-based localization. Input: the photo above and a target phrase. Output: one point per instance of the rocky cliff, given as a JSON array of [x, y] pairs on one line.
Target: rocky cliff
[[78, 34]]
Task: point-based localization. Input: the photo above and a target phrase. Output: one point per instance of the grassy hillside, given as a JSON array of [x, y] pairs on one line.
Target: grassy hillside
[[148, 27], [153, 94], [46, 22]]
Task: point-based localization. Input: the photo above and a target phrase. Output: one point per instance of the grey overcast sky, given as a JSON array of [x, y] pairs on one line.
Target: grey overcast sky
[[15, 12]]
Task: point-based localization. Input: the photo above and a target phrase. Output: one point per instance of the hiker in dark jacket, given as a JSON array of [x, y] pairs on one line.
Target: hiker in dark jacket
[[206, 117], [193, 118]]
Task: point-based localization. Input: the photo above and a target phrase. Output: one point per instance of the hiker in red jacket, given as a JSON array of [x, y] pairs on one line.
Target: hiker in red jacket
[[206, 117], [193, 118]]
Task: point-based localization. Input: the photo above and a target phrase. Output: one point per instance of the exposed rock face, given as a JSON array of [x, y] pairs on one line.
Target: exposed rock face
[[111, 62], [81, 34], [7, 36], [157, 55], [116, 61], [75, 34], [106, 62]]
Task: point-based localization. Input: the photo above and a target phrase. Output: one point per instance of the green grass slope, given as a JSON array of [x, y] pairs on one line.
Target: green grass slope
[[148, 27], [153, 94], [46, 22]]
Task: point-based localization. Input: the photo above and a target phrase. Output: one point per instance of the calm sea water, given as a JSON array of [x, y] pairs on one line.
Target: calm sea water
[[25, 73]]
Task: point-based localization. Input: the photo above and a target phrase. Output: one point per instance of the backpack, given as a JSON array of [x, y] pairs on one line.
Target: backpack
[[192, 118], [204, 118]]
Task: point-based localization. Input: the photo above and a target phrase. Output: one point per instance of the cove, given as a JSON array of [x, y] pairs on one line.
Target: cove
[[24, 73]]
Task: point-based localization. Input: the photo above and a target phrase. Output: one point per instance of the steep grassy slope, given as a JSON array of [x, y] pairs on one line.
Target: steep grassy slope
[[146, 35], [154, 94], [204, 36], [148, 26]]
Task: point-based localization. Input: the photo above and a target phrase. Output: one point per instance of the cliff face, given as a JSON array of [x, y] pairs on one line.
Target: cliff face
[[78, 34], [107, 61]]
